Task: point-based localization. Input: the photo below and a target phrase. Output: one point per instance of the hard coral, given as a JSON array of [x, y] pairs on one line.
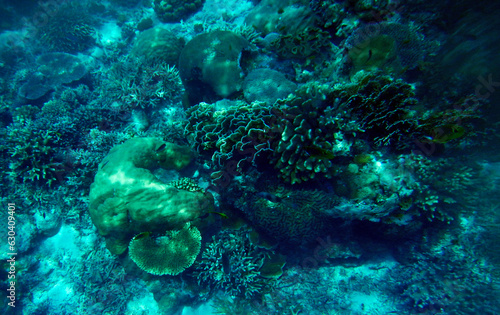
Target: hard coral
[[292, 216], [53, 70], [175, 10], [126, 198], [210, 63], [159, 45], [299, 135], [302, 44], [166, 255], [232, 263], [132, 83], [34, 154], [68, 30], [386, 108]]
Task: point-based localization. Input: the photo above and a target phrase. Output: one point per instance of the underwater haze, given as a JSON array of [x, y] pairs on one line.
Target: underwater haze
[[248, 157]]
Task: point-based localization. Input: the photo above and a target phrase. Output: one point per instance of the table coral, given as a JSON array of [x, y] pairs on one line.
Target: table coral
[[166, 255]]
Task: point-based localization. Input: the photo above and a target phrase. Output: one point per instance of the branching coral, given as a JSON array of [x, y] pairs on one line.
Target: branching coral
[[444, 188], [302, 44], [34, 154], [232, 263], [385, 107], [293, 216], [299, 135], [136, 84]]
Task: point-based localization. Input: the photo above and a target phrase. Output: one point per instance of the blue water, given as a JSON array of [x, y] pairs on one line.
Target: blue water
[[250, 157]]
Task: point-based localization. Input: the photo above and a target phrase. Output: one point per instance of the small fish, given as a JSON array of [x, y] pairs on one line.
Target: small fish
[[447, 133], [319, 153], [369, 55], [223, 215], [44, 215], [268, 196], [226, 265], [161, 148], [141, 235]]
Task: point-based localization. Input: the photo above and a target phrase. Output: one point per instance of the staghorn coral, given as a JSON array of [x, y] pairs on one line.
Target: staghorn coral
[[232, 263], [444, 187], [293, 216], [210, 63], [33, 153], [132, 83], [299, 135], [170, 254]]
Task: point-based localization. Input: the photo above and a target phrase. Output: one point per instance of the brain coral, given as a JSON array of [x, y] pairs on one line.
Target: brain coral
[[127, 199], [299, 135], [292, 216]]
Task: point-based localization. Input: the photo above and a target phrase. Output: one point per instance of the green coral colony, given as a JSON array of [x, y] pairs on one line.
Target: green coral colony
[[224, 149]]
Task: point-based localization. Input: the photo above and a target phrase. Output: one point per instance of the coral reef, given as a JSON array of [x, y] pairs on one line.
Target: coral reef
[[132, 83], [175, 10], [126, 198], [54, 69], [388, 45], [284, 16], [302, 44], [68, 30], [299, 135], [216, 67], [33, 153], [158, 44], [232, 263], [267, 86], [169, 254]]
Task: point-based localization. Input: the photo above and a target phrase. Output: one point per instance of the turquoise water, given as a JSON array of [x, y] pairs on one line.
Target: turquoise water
[[249, 157]]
